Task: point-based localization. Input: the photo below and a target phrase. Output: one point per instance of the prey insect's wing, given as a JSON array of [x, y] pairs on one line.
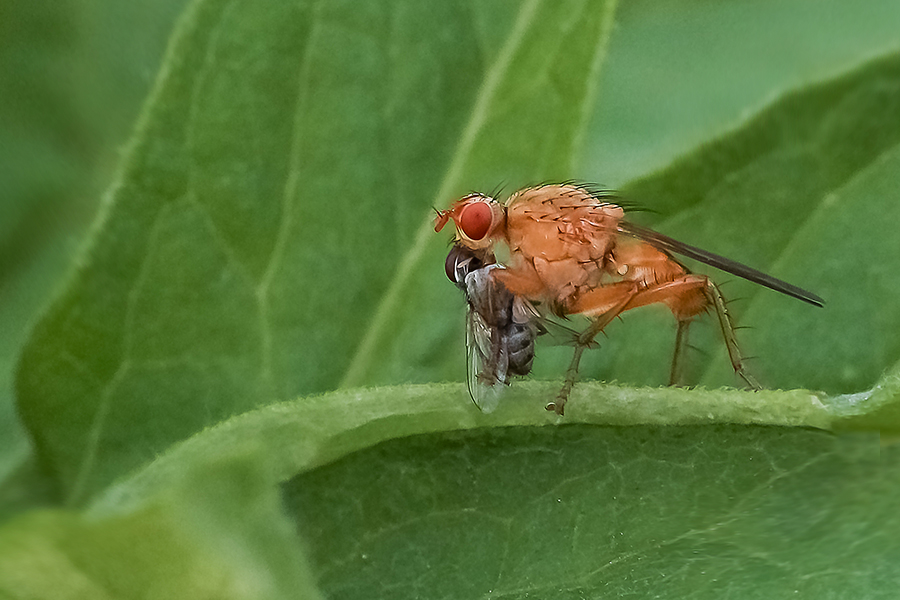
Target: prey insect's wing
[[486, 365], [543, 324], [720, 262]]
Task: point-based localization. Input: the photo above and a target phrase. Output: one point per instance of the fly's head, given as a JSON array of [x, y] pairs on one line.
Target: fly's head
[[479, 219]]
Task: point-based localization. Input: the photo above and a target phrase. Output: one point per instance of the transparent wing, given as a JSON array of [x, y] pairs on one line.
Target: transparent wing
[[486, 363], [664, 242]]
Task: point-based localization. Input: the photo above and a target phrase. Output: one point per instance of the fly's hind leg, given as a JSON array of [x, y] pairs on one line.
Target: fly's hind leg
[[717, 301]]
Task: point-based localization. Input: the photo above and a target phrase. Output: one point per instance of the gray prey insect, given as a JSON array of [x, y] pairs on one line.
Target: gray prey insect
[[500, 329]]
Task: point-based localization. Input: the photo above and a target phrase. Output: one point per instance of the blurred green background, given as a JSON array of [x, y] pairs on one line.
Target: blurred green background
[[74, 74], [74, 78]]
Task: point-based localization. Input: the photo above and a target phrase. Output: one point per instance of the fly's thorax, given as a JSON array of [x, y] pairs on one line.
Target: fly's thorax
[[557, 199], [561, 238], [560, 222]]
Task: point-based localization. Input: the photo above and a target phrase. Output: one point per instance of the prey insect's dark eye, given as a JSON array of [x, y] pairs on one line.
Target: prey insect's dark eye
[[459, 263], [450, 264]]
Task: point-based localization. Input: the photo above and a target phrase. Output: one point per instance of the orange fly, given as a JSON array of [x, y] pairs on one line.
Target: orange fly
[[571, 251]]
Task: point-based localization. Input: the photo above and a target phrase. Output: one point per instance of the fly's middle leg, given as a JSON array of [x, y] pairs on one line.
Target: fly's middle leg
[[717, 301], [605, 304]]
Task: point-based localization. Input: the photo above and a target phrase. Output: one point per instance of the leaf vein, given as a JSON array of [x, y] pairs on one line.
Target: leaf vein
[[490, 84], [291, 186]]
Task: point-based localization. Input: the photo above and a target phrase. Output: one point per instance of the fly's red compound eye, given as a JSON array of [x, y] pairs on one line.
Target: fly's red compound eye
[[475, 220]]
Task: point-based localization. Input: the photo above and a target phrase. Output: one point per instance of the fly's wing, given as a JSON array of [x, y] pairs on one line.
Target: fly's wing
[[720, 262], [585, 217], [486, 362]]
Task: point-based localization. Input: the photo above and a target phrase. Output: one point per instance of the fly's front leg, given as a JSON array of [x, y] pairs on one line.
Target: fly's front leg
[[734, 352], [585, 339]]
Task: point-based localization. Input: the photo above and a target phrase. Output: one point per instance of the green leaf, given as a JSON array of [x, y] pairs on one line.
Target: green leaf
[[684, 71], [587, 512], [269, 235], [73, 75], [300, 435], [23, 293], [217, 533], [281, 176], [518, 506]]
